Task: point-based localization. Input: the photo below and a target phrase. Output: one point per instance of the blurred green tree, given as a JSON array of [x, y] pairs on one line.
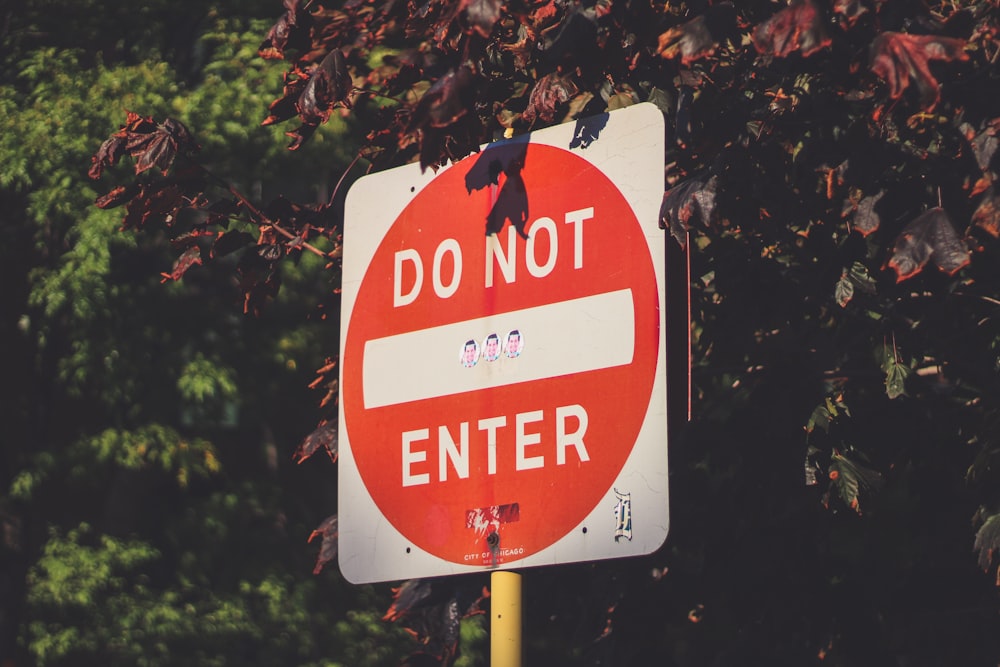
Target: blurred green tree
[[151, 510]]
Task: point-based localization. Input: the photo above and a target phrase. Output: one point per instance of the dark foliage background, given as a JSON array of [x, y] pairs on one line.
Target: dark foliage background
[[829, 179]]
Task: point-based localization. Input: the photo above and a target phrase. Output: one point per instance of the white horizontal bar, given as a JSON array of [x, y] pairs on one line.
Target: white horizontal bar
[[574, 336]]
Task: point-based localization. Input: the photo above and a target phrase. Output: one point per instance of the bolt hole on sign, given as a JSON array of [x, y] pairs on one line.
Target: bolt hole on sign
[[503, 362]]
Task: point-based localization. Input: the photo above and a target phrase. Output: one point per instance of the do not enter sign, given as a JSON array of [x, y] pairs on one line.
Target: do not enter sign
[[503, 398]]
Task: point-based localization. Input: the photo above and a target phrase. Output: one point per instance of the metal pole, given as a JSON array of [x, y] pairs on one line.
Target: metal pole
[[505, 624]]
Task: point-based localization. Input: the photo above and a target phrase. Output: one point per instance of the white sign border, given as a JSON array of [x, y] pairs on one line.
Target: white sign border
[[629, 151]]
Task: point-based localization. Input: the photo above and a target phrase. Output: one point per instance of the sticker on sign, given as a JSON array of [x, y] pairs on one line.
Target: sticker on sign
[[503, 394]]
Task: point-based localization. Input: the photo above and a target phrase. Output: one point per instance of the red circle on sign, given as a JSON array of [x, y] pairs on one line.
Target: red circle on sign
[[401, 449]]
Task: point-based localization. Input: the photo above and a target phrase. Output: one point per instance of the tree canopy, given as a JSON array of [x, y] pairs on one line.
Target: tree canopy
[[150, 509], [831, 216]]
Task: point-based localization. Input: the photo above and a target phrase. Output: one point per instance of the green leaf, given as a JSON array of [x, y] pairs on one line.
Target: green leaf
[[844, 291], [895, 378], [202, 380], [824, 413], [810, 468], [662, 99], [861, 278], [855, 278], [851, 478], [988, 541], [153, 447]]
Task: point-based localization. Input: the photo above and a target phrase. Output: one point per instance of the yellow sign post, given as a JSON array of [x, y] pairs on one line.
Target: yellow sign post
[[505, 623]]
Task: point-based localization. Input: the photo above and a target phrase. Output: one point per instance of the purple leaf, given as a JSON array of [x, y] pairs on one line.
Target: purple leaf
[[987, 215], [157, 145], [930, 236], [328, 547], [324, 436], [329, 85], [290, 32], [446, 101], [866, 219], [118, 196], [229, 242], [691, 41], [108, 154], [900, 58], [796, 28], [157, 201], [691, 199], [407, 597], [482, 15], [548, 94], [190, 257], [848, 11], [985, 142]]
